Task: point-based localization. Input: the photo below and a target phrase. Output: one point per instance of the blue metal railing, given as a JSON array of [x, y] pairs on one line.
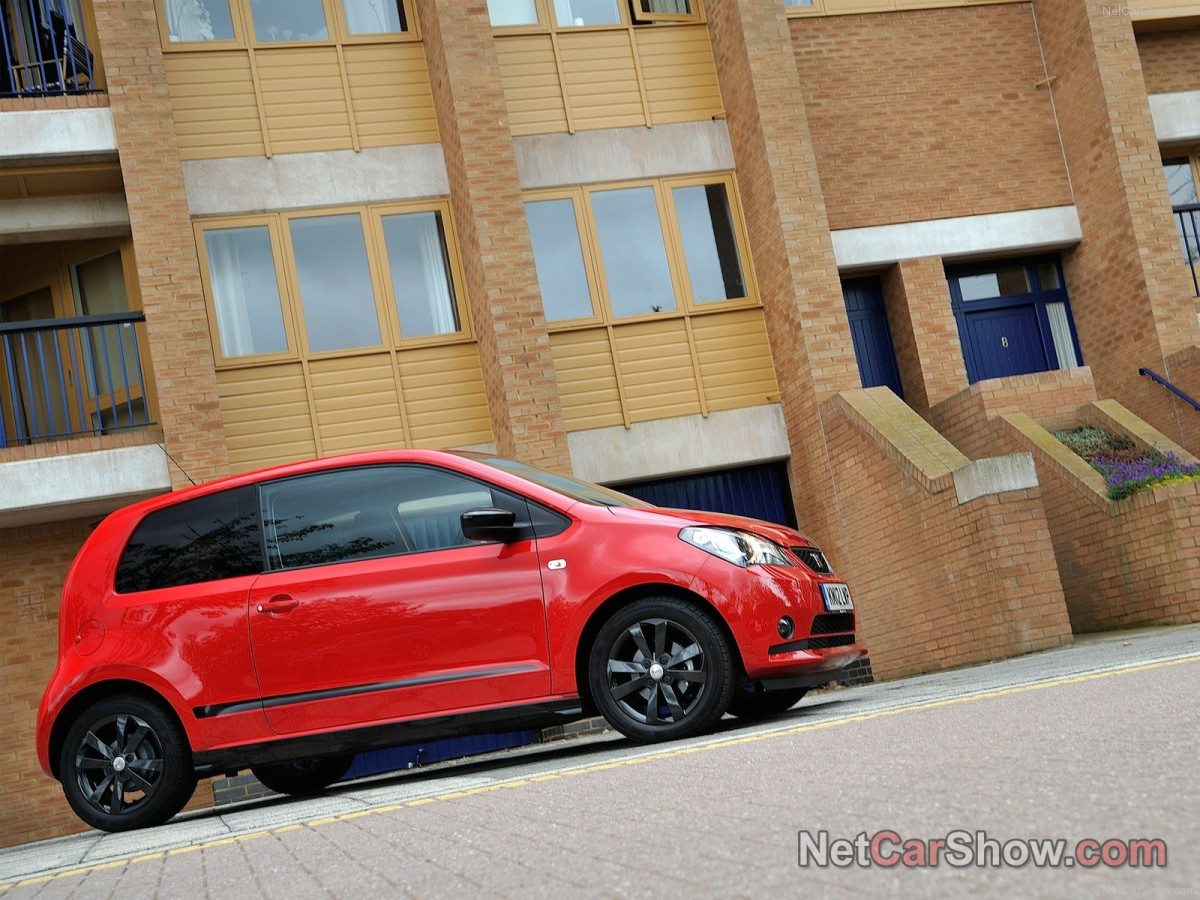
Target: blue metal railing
[[66, 377], [1187, 222], [45, 48], [1154, 376]]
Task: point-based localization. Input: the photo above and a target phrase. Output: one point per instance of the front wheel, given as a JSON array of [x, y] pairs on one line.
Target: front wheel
[[303, 777], [125, 764], [660, 669], [761, 704]]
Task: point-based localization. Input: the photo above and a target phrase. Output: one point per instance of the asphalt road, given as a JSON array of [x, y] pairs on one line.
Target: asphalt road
[[1092, 746]]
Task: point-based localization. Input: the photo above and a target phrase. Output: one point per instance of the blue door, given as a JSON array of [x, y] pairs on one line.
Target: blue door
[[1004, 342], [873, 348]]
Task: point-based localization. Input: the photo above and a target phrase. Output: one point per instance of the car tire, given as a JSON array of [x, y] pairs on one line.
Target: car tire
[[661, 669], [126, 764], [304, 777], [761, 704]]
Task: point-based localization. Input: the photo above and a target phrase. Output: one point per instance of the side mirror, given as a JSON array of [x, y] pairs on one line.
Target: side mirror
[[490, 524]]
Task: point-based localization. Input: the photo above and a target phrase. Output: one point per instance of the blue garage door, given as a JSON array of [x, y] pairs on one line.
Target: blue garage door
[[1013, 318], [759, 492], [873, 348]]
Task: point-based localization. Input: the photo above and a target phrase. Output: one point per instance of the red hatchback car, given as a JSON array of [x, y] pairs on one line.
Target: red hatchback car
[[287, 619]]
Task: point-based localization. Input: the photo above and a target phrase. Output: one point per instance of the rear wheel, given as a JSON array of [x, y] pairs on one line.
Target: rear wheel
[[125, 764], [303, 777], [660, 669], [760, 704]]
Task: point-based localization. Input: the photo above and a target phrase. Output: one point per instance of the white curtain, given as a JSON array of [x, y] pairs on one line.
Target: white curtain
[[229, 295], [372, 16], [1060, 331], [188, 20], [437, 280], [512, 12]]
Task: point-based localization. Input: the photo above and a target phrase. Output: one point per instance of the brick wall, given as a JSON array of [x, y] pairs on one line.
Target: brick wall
[[1051, 398], [924, 332], [1130, 295], [506, 306], [928, 114], [938, 583], [1170, 60], [168, 270], [789, 237], [1123, 563]]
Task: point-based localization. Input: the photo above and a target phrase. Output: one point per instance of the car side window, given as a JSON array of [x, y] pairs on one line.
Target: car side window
[[206, 539], [372, 511]]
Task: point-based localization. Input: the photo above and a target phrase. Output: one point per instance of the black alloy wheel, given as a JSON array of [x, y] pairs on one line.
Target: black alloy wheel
[[303, 777], [125, 764], [661, 669]]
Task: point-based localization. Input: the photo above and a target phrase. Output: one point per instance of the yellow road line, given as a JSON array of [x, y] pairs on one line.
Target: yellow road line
[[665, 753]]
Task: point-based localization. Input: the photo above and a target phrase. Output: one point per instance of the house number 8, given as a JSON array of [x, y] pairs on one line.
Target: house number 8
[[1003, 342]]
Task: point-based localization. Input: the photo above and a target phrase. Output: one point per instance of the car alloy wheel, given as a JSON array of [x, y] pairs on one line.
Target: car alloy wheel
[[125, 765], [660, 669]]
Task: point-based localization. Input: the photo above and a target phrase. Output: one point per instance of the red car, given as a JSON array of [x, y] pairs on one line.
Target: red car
[[287, 619]]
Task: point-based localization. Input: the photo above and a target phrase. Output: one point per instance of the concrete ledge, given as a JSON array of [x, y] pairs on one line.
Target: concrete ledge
[[734, 437], [1025, 230], [1176, 116], [34, 219], [618, 154], [303, 180], [995, 475], [52, 489], [57, 134]]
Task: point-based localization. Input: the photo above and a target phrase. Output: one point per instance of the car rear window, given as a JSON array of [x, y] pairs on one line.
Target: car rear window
[[206, 539]]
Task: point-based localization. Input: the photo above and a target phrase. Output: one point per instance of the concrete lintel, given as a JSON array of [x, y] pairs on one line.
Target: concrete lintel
[[57, 134], [995, 475], [303, 180], [56, 488], [734, 437], [962, 236], [33, 219], [1176, 116], [618, 154]]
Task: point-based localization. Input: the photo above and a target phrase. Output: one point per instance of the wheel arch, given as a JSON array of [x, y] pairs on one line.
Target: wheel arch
[[94, 693], [623, 598]]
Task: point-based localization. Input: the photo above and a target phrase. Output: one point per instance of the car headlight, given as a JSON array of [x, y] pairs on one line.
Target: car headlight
[[738, 547]]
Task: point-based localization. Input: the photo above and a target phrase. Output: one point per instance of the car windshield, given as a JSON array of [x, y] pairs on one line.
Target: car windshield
[[583, 491]]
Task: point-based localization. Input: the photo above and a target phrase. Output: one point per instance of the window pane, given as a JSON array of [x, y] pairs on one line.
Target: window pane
[[558, 258], [1048, 276], [709, 243], [375, 16], [198, 20], [1060, 332], [631, 246], [512, 12], [416, 248], [289, 20], [335, 282], [245, 291], [205, 539], [797, 2], [668, 7], [1180, 183], [1007, 281], [569, 13]]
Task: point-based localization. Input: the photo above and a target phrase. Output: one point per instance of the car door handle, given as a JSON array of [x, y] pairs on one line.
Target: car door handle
[[279, 604]]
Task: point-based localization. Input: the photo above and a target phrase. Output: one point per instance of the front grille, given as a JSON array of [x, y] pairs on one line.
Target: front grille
[[813, 558], [813, 643], [832, 623]]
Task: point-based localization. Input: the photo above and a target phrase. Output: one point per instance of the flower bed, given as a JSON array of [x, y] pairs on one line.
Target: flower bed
[[1127, 468]]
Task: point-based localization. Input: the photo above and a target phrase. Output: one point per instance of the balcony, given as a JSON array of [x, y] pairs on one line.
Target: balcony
[[65, 378], [46, 49], [1187, 224]]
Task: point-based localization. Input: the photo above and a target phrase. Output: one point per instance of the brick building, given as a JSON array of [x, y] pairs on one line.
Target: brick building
[[863, 253]]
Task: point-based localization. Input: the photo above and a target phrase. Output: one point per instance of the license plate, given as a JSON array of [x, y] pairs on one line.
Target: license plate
[[837, 597]]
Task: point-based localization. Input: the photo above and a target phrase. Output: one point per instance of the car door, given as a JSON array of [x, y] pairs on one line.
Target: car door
[[376, 607]]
